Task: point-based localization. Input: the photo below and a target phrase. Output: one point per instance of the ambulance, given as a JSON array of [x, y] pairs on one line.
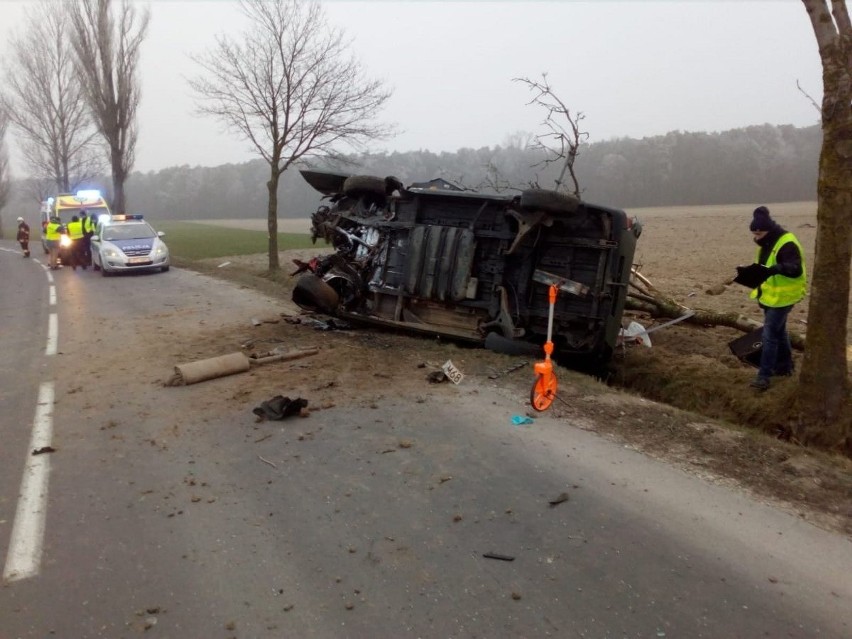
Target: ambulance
[[66, 205]]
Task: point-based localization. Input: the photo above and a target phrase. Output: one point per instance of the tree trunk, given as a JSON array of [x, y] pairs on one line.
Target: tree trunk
[[823, 414], [119, 203], [272, 216], [823, 398]]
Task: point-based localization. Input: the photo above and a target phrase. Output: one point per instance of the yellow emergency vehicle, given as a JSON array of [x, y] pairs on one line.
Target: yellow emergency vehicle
[[66, 205]]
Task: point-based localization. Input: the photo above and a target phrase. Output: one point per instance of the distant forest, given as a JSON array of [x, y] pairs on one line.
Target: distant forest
[[755, 164]]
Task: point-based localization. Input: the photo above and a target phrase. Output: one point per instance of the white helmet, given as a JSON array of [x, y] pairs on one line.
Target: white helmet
[[20, 219]]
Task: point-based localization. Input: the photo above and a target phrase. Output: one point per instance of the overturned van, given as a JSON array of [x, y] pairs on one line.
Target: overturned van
[[471, 266]]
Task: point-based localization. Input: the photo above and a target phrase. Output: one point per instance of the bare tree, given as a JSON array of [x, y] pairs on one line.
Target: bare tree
[[5, 178], [45, 101], [559, 143], [106, 40], [824, 394], [289, 86]]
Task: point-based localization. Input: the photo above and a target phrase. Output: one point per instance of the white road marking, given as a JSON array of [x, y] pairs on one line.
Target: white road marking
[[52, 334], [25, 546], [49, 275], [52, 294]]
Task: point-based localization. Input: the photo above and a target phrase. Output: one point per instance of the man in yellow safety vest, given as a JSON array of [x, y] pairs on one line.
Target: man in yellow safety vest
[[75, 251], [88, 231], [784, 284], [52, 232]]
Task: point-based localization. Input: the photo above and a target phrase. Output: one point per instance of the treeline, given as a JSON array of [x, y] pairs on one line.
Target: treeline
[[754, 164]]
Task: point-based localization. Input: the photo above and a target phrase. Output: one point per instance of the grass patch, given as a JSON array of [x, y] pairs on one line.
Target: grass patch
[[191, 241]]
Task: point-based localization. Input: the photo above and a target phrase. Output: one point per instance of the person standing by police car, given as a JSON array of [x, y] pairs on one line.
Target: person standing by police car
[[24, 236], [75, 251], [88, 232], [53, 231]]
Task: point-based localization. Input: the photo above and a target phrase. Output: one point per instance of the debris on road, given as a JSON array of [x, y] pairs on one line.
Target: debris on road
[[43, 450], [211, 368], [495, 555], [259, 340], [320, 325], [519, 420], [510, 369], [436, 377], [453, 374], [266, 461], [280, 407], [562, 497]]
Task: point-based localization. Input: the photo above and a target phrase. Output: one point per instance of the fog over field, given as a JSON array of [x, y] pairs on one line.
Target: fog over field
[[634, 69]]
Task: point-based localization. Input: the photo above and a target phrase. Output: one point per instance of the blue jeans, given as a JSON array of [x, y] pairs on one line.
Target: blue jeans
[[777, 357]]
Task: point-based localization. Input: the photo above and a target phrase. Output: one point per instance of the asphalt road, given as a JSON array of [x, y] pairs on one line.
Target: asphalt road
[[170, 512]]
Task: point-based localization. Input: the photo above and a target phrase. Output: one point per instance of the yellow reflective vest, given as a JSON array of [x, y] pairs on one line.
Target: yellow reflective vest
[[51, 231], [779, 291], [75, 230]]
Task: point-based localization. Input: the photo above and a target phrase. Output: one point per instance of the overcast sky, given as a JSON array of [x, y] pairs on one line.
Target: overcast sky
[[634, 68]]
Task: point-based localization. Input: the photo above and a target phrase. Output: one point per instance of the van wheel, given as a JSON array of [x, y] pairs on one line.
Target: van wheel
[[364, 185], [312, 293], [549, 201]]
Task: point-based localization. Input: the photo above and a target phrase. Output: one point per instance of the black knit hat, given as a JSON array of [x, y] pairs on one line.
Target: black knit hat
[[762, 221]]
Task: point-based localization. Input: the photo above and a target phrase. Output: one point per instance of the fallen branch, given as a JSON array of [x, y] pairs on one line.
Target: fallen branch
[[659, 306]]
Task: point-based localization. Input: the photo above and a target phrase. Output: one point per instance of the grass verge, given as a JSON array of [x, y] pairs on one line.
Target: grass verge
[[189, 241]]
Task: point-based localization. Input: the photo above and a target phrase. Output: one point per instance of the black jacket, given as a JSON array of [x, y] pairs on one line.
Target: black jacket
[[788, 260]]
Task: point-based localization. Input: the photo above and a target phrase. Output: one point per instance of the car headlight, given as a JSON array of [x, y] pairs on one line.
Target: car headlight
[[111, 252], [161, 250], [64, 240]]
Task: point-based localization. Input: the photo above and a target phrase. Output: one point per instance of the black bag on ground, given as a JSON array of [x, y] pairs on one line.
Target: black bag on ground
[[280, 407], [749, 347]]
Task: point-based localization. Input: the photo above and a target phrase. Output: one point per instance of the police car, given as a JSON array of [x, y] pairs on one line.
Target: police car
[[124, 243]]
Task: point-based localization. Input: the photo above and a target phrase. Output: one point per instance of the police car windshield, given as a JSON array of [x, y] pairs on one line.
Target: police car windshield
[[127, 231]]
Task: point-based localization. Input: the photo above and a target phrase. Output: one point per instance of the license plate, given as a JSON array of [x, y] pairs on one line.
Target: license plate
[[454, 374], [137, 260]]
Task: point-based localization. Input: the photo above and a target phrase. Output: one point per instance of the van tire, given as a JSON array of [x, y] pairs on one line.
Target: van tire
[[312, 293], [549, 201], [364, 185]]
